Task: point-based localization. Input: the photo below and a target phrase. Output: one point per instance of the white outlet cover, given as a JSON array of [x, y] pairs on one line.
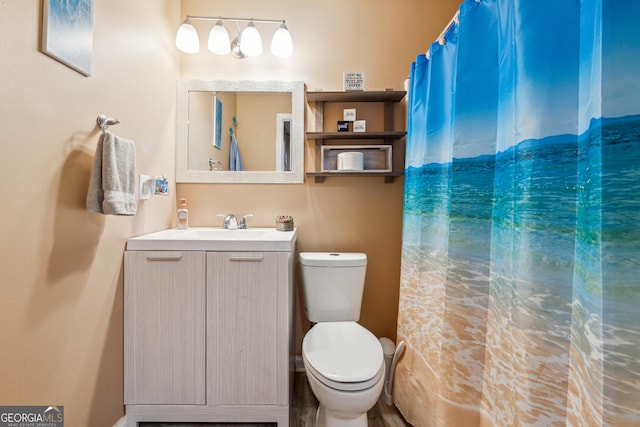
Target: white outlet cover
[[144, 187]]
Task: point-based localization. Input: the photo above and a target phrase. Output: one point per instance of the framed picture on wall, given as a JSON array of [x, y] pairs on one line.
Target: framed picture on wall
[[67, 32], [217, 123]]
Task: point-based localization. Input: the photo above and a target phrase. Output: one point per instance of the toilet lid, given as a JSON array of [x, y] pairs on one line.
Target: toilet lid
[[343, 352], [333, 259]]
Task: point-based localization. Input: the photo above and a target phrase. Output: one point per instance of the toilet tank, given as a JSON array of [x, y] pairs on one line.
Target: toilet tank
[[332, 285]]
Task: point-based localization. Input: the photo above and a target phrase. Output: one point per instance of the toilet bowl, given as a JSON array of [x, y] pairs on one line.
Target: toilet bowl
[[345, 368]]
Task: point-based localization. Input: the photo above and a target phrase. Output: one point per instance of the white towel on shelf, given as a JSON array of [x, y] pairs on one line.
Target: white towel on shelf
[[113, 178]]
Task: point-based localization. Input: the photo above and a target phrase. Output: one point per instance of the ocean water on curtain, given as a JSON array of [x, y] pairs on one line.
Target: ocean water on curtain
[[606, 300], [620, 176], [544, 201]]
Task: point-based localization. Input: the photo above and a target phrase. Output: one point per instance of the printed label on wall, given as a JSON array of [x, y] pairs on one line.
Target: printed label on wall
[[353, 81]]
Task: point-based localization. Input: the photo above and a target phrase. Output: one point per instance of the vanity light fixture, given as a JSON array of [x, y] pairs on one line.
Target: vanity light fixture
[[219, 41], [281, 44], [187, 38], [249, 42]]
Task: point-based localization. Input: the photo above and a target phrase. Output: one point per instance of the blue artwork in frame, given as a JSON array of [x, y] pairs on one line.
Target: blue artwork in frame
[[217, 123], [67, 32]]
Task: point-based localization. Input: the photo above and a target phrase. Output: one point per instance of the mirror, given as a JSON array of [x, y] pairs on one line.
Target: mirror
[[240, 131]]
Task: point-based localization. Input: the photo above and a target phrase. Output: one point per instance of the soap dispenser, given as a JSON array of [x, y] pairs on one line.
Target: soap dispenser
[[183, 215]]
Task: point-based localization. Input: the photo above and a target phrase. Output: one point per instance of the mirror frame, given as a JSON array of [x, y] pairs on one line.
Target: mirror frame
[[185, 175]]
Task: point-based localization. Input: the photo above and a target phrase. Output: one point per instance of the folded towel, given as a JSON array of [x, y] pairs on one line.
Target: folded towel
[[113, 178], [235, 158]]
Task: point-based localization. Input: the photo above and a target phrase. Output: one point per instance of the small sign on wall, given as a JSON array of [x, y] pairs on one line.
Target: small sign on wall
[[349, 114], [353, 81]]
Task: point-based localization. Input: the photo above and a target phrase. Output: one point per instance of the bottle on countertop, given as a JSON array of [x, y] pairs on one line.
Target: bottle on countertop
[[183, 215]]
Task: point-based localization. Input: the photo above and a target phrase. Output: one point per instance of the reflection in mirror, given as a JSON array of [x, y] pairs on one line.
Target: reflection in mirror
[[212, 128], [245, 131], [283, 142]]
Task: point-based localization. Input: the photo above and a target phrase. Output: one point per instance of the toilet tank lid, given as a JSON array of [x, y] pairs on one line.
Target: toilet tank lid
[[333, 259]]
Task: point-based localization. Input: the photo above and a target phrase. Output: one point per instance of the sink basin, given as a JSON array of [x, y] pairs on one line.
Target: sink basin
[[222, 234], [215, 239]]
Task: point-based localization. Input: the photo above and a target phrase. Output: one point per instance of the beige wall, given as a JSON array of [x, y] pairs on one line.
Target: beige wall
[[378, 37], [61, 268], [256, 131]]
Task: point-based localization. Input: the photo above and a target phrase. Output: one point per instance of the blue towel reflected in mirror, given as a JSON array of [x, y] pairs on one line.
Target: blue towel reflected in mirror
[[235, 158]]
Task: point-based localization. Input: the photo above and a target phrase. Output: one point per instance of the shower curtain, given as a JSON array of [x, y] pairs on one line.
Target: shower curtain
[[520, 280]]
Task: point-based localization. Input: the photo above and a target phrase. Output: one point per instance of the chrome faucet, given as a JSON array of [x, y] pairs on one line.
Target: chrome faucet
[[231, 222]]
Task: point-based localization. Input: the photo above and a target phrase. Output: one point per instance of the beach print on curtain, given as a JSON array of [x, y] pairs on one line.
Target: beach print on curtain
[[520, 283]]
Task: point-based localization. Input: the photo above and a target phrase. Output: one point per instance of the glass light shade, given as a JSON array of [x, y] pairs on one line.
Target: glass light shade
[[219, 41], [187, 38], [281, 44], [250, 41]]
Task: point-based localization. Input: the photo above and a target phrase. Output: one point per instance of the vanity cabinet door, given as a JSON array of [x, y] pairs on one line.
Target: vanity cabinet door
[[247, 332], [164, 317]]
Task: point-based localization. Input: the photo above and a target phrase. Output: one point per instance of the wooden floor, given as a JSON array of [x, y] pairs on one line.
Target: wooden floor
[[303, 412]]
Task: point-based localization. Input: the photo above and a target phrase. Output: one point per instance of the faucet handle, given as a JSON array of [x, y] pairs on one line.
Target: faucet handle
[[243, 222]]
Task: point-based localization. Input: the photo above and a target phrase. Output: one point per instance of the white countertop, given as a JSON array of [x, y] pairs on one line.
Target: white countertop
[[215, 239]]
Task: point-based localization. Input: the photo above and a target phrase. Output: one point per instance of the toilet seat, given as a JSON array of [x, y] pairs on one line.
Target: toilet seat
[[343, 355], [344, 386]]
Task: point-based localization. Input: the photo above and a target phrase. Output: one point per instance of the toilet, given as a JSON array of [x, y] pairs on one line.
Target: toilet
[[344, 362]]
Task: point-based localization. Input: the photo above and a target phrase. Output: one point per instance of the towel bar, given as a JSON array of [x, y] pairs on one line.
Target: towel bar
[[104, 122]]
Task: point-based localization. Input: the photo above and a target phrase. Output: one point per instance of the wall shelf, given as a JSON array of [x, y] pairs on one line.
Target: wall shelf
[[388, 136], [370, 96], [320, 176]]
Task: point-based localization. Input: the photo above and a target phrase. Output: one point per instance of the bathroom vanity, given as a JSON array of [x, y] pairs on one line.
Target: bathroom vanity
[[208, 326]]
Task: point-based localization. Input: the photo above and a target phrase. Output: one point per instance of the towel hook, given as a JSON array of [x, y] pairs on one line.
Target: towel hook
[[235, 124], [104, 122]]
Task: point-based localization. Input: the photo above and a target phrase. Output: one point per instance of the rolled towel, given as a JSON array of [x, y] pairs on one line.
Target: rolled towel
[[113, 178]]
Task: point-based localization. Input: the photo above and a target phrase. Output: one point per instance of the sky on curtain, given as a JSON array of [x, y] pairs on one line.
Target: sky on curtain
[[557, 67]]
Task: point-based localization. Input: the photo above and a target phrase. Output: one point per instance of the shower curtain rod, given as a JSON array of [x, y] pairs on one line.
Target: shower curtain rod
[[453, 20]]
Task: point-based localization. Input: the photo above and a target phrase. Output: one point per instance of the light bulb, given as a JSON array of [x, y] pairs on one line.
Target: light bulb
[[281, 44], [187, 38], [250, 41], [219, 42]]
